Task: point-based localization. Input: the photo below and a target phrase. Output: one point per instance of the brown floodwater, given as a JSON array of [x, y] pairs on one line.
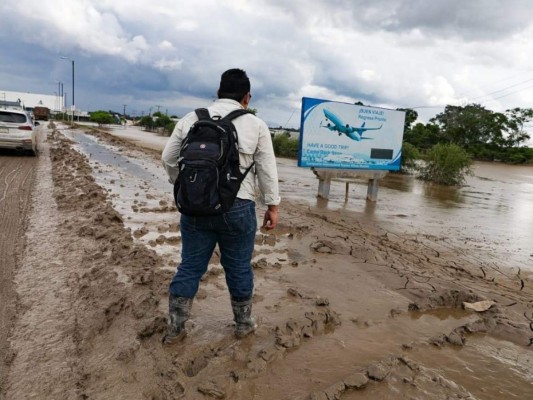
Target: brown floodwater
[[492, 211]]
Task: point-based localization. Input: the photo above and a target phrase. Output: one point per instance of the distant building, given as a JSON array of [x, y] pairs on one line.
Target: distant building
[[11, 105], [31, 100]]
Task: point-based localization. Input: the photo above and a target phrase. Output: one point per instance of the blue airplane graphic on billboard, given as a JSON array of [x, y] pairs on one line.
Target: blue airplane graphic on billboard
[[336, 124]]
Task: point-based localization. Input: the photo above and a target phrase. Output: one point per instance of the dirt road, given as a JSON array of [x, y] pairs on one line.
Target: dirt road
[[17, 174], [347, 310]]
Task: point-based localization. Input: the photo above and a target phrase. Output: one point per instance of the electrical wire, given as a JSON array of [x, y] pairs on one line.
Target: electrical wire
[[508, 94], [502, 90]]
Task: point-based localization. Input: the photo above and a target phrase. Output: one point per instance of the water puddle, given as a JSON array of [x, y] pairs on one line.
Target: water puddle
[[332, 357], [485, 368]]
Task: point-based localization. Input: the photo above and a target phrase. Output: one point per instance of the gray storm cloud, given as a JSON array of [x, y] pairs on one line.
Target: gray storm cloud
[[386, 53]]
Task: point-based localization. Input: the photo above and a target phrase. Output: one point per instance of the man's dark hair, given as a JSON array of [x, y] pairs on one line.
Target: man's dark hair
[[234, 84]]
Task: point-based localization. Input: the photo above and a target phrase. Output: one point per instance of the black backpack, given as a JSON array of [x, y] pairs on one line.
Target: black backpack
[[209, 173]]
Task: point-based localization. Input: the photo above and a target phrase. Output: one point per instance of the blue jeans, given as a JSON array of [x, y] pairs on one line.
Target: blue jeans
[[234, 231]]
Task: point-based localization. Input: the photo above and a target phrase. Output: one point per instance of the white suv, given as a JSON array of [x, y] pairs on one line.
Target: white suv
[[17, 131]]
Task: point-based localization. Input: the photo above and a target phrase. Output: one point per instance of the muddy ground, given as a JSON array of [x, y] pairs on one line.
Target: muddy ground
[[347, 309]]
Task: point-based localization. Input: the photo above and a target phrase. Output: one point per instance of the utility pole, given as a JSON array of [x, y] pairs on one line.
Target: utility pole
[[73, 106], [124, 113]]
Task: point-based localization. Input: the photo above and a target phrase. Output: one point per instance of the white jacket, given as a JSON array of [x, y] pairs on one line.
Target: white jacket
[[255, 144]]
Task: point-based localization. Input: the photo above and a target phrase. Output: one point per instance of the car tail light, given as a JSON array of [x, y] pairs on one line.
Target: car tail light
[[25, 128]]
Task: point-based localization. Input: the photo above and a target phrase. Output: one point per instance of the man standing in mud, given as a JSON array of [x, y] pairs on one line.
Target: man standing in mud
[[233, 231]]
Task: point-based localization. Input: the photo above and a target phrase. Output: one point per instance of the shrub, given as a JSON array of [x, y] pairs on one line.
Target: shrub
[[102, 117], [161, 123], [285, 146], [446, 164], [409, 156], [164, 124], [147, 122]]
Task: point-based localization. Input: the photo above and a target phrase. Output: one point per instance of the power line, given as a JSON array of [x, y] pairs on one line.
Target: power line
[[508, 94], [286, 123], [465, 94], [417, 107], [502, 90]]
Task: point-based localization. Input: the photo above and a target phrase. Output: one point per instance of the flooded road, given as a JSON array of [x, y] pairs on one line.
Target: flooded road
[[493, 211], [327, 254]]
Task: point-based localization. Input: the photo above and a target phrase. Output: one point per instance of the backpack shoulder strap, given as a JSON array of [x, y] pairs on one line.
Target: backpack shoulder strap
[[202, 113], [235, 113]]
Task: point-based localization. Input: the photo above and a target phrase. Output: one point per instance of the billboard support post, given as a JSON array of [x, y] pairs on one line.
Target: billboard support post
[[323, 187], [372, 192], [325, 176]]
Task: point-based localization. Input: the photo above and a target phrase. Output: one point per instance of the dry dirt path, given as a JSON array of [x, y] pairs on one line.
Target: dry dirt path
[[342, 305]]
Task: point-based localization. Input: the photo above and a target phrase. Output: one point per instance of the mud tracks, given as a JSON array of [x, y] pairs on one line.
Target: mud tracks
[[227, 368], [115, 294]]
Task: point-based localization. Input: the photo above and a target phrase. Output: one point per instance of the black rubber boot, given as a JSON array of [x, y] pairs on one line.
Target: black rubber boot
[[179, 310], [244, 322]]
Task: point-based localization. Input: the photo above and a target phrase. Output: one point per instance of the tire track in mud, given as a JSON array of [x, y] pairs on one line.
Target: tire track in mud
[[17, 176], [43, 351]]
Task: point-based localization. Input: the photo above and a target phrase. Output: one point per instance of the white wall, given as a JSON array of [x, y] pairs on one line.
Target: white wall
[[51, 101]]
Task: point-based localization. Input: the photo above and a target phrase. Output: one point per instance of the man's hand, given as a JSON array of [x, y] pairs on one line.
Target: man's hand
[[271, 218]]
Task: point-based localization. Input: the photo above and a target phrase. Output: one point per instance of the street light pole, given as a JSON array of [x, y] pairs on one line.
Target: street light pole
[[73, 86], [73, 106], [60, 102]]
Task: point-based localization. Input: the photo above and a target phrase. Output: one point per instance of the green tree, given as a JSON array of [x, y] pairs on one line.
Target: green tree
[[147, 122], [423, 136], [409, 156], [484, 134], [165, 124], [101, 117], [471, 126], [161, 123], [446, 164], [410, 117], [516, 120], [162, 120]]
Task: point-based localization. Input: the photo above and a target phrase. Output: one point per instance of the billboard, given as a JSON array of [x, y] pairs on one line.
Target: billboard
[[343, 135]]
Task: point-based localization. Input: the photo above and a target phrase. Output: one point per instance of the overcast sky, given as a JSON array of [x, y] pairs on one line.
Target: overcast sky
[[169, 54]]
